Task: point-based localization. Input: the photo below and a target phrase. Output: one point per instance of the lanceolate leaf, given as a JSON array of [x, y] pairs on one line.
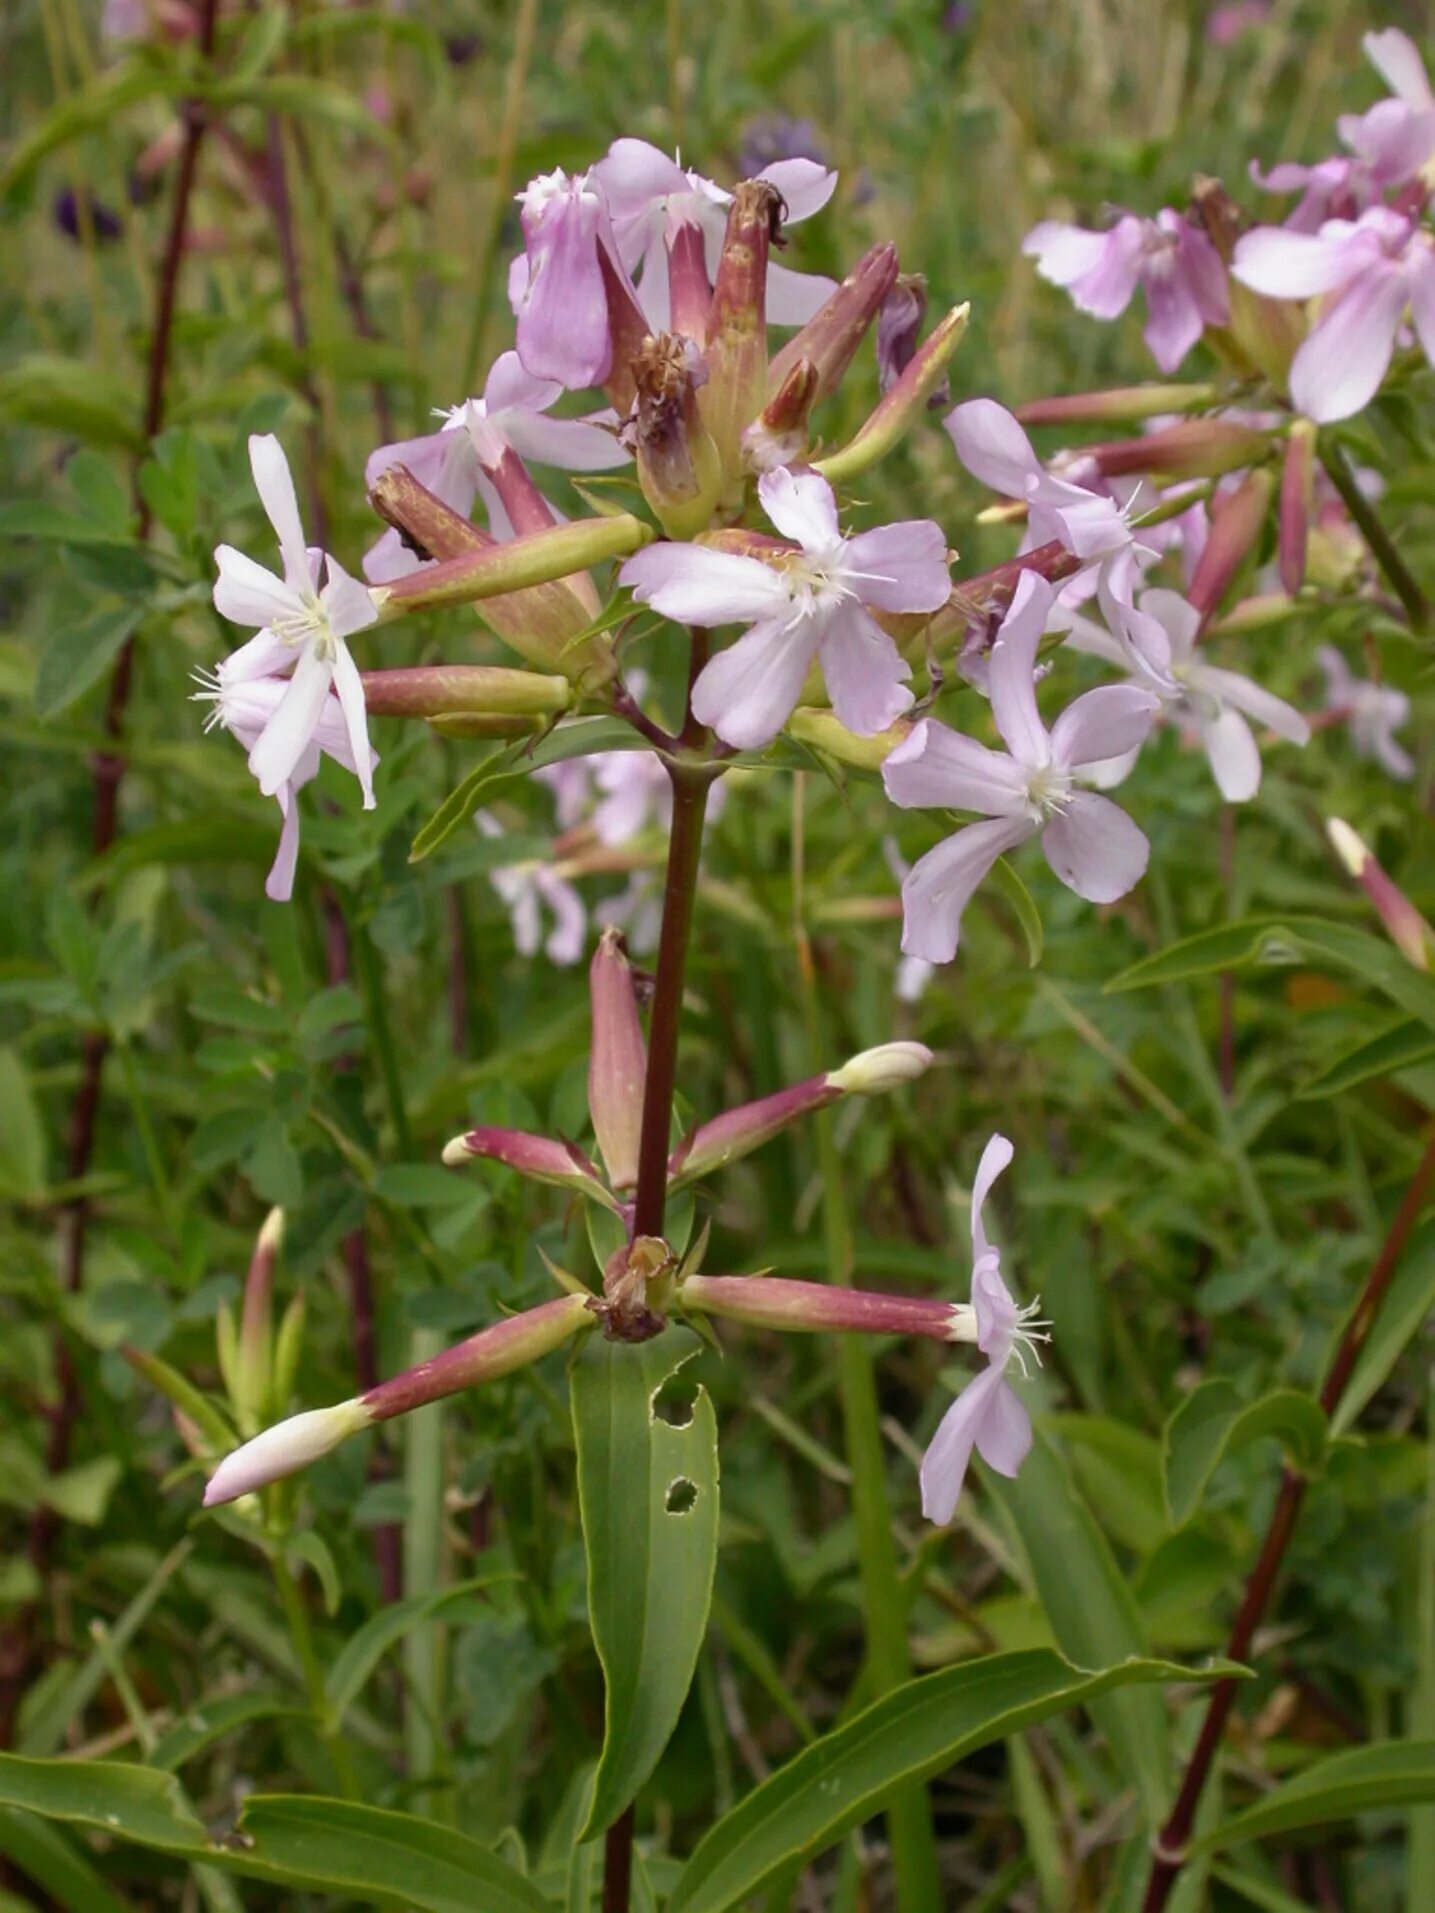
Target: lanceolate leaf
[[1397, 1048], [1213, 1420], [1386, 1774], [909, 1736], [363, 1650], [1408, 1301], [1090, 1610], [329, 1846], [648, 1493]]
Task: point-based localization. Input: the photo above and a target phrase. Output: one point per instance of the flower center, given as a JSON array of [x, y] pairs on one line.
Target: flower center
[[819, 579], [1048, 789], [308, 625]]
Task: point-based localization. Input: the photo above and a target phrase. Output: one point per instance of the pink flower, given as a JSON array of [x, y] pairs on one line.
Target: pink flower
[[1026, 790], [1179, 268], [452, 462], [245, 709], [301, 633], [1373, 712], [817, 604], [1370, 272], [1092, 525], [988, 1415], [1396, 138], [557, 288], [531, 888], [651, 197], [1336, 188], [1157, 645]]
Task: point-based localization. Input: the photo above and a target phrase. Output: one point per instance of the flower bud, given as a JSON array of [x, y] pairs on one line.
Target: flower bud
[[875, 1071], [771, 1301], [254, 1355], [678, 465], [824, 733], [1297, 501], [541, 558], [737, 1132], [690, 292], [541, 623], [778, 435], [1236, 525], [736, 348], [1409, 931], [446, 690], [617, 1063], [284, 1449], [1196, 448], [543, 1158], [1128, 404], [896, 411], [514, 1343], [829, 340]]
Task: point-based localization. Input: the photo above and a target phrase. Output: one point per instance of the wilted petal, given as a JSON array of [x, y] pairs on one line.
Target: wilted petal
[[1338, 369], [1103, 723], [1012, 671], [562, 311], [802, 507], [866, 675], [693, 585], [747, 693], [939, 886], [903, 567], [993, 446], [275, 484], [942, 769], [1234, 758], [1094, 848]]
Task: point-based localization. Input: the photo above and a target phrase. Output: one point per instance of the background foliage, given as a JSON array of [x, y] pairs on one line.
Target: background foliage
[[318, 1056]]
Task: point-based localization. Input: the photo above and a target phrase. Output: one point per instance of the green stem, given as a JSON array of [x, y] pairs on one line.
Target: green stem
[[303, 1639], [909, 1820], [423, 1568], [1382, 546]]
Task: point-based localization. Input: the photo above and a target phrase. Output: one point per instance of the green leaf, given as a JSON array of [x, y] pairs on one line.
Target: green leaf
[[362, 1652], [71, 397], [94, 105], [1213, 1421], [82, 1494], [46, 1857], [212, 1720], [263, 38], [1090, 1610], [1284, 941], [1382, 1775], [648, 1494], [421, 1185], [22, 1132], [77, 654], [909, 1736], [1395, 1048], [1027, 914], [502, 769], [34, 518], [134, 1803], [1408, 1301]]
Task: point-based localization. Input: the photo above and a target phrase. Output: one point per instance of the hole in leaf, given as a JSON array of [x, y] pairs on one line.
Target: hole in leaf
[[682, 1496], [673, 1402]]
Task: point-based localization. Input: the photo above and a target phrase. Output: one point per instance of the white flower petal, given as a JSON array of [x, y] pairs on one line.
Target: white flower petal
[[903, 567], [866, 675], [939, 886], [1012, 671], [350, 689], [1337, 371], [275, 484], [693, 585], [995, 1158], [944, 1466], [795, 297], [1095, 849], [747, 693], [993, 446], [279, 884], [805, 185], [247, 593], [570, 444], [1104, 723], [802, 507], [941, 769], [1233, 755], [1244, 694], [288, 733]]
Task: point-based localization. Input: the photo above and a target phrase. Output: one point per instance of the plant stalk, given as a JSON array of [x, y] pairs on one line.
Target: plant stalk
[[1382, 546], [1170, 1845]]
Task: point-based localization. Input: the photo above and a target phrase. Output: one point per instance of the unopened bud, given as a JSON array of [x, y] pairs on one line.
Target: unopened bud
[[1408, 929], [284, 1449], [899, 408], [1297, 502], [875, 1071], [618, 1062], [822, 730], [829, 340], [1236, 526], [678, 465], [1127, 405], [1196, 448], [254, 1355], [544, 557], [737, 1132], [778, 435], [543, 1158], [809, 1308], [517, 1342], [447, 690], [736, 349], [690, 292]]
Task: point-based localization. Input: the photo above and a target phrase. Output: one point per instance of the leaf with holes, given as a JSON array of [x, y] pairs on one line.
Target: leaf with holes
[[648, 1493]]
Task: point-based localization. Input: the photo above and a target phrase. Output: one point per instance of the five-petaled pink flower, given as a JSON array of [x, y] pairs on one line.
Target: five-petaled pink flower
[[815, 603], [1181, 271], [301, 633], [1371, 271], [1029, 788], [988, 1415]]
